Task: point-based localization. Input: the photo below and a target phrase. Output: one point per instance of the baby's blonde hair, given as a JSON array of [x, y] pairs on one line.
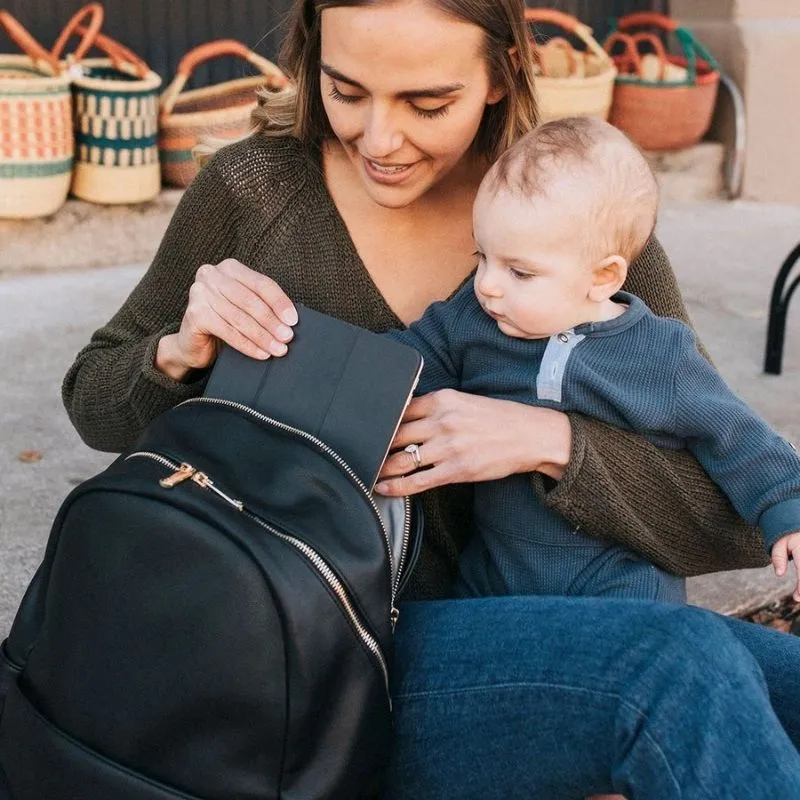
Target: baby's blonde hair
[[621, 193]]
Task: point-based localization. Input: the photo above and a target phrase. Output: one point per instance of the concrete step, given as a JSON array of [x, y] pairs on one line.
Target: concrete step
[[82, 235]]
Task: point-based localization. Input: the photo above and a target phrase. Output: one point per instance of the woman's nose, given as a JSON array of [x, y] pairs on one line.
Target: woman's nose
[[382, 136]]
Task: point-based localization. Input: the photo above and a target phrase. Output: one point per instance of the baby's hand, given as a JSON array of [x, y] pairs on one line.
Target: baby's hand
[[785, 548]]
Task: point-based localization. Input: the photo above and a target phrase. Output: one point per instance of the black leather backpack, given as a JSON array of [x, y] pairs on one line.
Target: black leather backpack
[[213, 615]]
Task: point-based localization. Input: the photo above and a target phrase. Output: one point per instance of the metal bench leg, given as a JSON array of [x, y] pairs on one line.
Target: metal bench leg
[[778, 306]]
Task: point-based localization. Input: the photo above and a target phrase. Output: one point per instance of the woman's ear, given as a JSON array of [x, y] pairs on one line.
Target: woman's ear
[[608, 276], [497, 93]]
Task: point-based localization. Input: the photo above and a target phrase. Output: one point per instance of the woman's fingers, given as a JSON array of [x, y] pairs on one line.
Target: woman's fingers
[[235, 327], [231, 302], [416, 482], [414, 432], [256, 296], [401, 462], [420, 407], [227, 303], [276, 300]]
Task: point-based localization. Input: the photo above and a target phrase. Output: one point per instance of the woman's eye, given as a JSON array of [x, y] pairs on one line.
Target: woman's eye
[[341, 97], [431, 113]]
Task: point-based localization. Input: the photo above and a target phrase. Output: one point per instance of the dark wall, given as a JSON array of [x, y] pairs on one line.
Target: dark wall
[[161, 31]]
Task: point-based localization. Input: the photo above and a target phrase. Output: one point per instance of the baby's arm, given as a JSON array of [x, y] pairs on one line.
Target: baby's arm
[[787, 547], [431, 336], [757, 468]]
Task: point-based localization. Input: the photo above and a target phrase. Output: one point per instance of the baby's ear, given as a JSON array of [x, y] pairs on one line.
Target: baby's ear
[[608, 276]]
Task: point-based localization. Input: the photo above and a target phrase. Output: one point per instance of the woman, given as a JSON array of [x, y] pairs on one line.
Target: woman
[[354, 197]]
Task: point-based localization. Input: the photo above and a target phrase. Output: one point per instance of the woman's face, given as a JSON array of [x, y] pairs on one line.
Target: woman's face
[[404, 87]]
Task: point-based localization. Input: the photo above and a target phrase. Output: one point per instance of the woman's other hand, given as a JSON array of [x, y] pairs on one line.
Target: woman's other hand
[[465, 438], [228, 302]]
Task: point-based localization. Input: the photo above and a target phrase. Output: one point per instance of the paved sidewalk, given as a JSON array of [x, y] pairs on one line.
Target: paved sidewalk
[[725, 255]]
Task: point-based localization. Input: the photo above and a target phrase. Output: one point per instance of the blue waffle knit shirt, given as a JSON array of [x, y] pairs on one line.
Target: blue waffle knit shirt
[[638, 372]]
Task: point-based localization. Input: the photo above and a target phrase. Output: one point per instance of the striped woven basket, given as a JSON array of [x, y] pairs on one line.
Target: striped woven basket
[[36, 140], [214, 112], [116, 125]]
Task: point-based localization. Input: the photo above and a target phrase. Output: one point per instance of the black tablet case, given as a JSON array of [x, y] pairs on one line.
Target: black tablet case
[[344, 385]]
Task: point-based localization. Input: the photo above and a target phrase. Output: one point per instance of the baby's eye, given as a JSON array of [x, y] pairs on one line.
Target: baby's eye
[[520, 275]]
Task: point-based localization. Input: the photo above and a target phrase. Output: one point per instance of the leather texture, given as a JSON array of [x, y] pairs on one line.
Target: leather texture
[[185, 642]]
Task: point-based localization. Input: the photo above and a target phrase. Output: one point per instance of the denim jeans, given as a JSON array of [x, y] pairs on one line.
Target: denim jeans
[[549, 698]]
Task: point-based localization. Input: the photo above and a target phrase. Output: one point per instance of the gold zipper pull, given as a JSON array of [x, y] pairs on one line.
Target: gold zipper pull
[[183, 473]]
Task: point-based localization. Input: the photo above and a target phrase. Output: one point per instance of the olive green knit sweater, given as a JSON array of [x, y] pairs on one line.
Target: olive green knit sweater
[[264, 202]]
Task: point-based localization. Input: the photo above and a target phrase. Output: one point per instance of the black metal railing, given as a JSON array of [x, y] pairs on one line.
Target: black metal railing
[[161, 31]]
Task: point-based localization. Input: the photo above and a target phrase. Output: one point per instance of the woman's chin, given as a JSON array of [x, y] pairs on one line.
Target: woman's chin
[[394, 196]]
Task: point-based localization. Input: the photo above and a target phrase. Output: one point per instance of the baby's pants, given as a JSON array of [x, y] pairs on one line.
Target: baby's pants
[[567, 563]]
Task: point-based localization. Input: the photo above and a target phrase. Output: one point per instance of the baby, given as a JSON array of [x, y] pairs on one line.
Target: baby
[[557, 222]]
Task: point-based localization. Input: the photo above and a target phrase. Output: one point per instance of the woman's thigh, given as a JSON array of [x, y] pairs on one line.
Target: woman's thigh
[[523, 697], [778, 655]]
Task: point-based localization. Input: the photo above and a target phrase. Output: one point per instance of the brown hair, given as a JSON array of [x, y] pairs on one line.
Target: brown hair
[[623, 192], [298, 110]]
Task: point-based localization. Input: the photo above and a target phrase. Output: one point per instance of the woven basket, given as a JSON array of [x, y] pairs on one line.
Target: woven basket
[[662, 101], [215, 112], [115, 103], [36, 140], [571, 82]]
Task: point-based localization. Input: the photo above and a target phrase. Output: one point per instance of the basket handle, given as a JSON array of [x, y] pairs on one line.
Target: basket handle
[[95, 13], [658, 49], [205, 52], [568, 23], [647, 19], [120, 55], [629, 62], [557, 43], [27, 43]]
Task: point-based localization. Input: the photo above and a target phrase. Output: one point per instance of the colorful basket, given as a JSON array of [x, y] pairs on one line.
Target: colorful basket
[[662, 101], [115, 103], [36, 139], [571, 82], [215, 112]]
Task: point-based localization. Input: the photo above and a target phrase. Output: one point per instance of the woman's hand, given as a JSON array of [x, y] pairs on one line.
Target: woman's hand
[[228, 302], [465, 438]]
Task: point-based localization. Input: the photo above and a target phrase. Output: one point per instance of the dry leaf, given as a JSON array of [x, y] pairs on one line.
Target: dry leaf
[[29, 456]]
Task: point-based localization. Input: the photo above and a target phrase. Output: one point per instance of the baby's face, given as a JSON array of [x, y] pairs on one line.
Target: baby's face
[[533, 276]]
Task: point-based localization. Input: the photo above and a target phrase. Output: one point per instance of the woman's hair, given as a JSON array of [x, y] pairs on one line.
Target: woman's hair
[[298, 110]]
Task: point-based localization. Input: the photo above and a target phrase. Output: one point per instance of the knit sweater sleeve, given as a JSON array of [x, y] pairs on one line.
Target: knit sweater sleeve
[[659, 502], [758, 469], [113, 390]]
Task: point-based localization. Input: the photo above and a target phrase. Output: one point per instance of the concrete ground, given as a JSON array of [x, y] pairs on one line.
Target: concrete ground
[[725, 256]]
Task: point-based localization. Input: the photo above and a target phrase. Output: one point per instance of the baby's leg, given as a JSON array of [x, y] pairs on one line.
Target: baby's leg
[[620, 573]]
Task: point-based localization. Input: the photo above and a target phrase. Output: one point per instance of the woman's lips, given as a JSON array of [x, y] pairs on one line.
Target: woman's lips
[[387, 174]]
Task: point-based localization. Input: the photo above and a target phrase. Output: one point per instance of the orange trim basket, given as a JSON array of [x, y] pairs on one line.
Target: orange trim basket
[[116, 121], [36, 139], [216, 112], [662, 101], [571, 82]]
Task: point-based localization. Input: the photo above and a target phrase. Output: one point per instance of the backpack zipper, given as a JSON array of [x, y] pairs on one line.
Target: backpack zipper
[[184, 471], [345, 467]]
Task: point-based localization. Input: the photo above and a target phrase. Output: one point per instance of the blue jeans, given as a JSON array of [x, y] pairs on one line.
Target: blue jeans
[[544, 697]]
